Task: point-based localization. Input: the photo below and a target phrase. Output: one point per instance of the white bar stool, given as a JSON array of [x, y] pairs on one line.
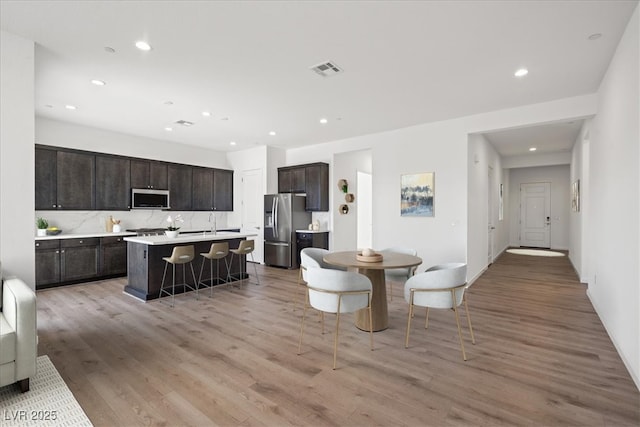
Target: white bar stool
[[217, 251], [245, 248], [180, 255]]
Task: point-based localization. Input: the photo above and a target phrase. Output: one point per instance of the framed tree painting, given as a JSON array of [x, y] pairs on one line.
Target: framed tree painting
[[417, 194]]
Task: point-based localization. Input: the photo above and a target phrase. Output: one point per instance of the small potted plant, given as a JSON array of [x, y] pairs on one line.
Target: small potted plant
[[172, 229], [42, 225]]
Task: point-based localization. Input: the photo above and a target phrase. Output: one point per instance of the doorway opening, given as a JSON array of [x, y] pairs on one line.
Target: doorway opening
[[364, 186]]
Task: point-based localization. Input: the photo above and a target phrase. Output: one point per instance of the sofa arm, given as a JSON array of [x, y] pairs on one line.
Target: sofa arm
[[19, 310]]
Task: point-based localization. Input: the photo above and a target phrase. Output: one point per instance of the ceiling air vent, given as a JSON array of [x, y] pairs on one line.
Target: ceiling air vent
[[326, 69], [184, 123]]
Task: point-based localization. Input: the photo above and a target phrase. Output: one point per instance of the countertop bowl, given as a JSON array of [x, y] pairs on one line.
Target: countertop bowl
[[53, 232]]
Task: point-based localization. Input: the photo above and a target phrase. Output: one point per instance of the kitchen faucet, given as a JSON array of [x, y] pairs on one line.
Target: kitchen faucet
[[214, 226]]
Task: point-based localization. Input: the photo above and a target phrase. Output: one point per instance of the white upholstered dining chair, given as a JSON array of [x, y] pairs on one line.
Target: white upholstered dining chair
[[312, 258], [441, 286], [334, 291], [400, 275]]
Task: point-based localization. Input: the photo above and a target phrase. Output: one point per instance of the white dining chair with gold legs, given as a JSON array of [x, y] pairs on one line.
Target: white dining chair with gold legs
[[400, 275], [441, 286], [334, 291], [311, 258]]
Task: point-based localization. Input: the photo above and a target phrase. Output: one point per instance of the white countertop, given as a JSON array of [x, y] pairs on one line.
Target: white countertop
[[84, 235], [187, 238], [312, 231]]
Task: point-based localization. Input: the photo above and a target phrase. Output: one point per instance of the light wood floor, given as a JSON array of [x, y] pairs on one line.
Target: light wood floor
[[542, 357]]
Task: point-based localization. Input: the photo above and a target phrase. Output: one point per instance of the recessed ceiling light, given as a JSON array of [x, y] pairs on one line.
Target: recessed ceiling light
[[224, 119], [48, 105], [232, 143], [206, 114], [595, 36], [184, 123], [521, 72], [168, 102], [109, 49], [98, 82], [272, 133], [142, 45], [168, 129], [323, 121], [532, 149], [70, 107]]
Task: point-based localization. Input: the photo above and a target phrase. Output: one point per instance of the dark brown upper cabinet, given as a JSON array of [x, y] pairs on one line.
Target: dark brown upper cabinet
[[113, 183], [75, 179], [46, 180], [202, 190], [222, 190], [149, 174], [70, 179], [291, 179], [311, 179], [212, 189], [317, 187], [180, 187]]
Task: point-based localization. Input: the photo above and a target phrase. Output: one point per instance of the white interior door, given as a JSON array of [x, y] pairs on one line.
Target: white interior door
[[535, 214], [253, 209]]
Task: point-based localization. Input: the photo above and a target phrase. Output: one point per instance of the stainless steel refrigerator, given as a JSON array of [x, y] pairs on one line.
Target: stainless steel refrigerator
[[284, 214]]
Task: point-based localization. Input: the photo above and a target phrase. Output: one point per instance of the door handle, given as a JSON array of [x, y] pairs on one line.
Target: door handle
[[275, 217]]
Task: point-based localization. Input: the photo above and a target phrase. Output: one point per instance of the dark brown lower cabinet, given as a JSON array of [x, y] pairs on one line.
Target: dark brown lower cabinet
[[113, 256], [66, 261], [79, 259], [47, 263]]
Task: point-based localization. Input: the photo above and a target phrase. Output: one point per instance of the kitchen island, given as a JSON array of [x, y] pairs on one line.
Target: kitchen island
[[145, 264]]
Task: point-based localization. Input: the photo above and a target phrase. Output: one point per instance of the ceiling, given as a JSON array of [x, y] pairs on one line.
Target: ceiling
[[248, 64]]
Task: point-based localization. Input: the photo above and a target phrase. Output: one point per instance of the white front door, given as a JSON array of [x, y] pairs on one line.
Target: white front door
[[253, 209], [535, 214]]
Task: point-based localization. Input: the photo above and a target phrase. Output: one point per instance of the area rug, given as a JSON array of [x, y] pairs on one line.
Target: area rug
[[49, 402], [534, 252]]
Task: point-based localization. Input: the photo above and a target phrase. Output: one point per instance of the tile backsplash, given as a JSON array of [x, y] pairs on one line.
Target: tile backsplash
[[73, 222]]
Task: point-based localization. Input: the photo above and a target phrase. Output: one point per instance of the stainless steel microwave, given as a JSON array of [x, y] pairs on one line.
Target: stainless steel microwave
[[145, 198]]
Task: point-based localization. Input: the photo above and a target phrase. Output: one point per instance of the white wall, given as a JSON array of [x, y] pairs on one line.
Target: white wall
[[276, 158], [537, 159], [344, 234], [615, 200], [64, 134], [242, 161], [481, 157], [559, 177], [17, 178], [579, 221]]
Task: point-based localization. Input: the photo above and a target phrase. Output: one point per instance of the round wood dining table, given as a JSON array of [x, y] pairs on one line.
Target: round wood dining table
[[375, 272]]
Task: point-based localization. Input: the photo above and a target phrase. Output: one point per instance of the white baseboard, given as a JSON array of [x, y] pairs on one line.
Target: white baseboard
[[626, 363]]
